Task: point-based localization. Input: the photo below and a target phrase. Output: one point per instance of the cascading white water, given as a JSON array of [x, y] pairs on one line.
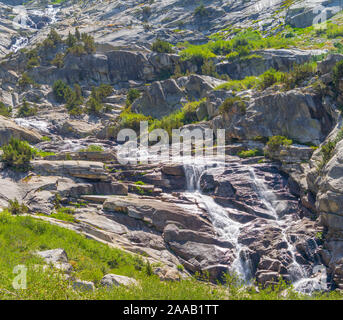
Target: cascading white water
[[21, 42], [299, 275], [269, 200], [226, 228]]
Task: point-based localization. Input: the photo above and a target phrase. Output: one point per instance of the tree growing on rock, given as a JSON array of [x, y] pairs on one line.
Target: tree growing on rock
[[17, 155]]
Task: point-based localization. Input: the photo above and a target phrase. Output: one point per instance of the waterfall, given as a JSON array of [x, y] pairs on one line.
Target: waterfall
[[299, 275], [226, 228], [21, 41]]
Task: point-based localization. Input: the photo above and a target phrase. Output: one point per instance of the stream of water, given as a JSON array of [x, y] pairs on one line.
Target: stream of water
[[49, 13], [228, 229]]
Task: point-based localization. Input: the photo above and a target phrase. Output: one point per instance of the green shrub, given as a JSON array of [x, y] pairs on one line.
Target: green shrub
[[102, 92], [268, 79], [25, 81], [232, 102], [274, 143], [130, 120], [77, 50], [98, 96], [32, 62], [201, 11], [239, 85], [75, 101], [178, 119], [94, 106], [208, 68], [197, 54], [132, 95], [71, 40], [58, 61], [52, 40], [15, 208], [61, 91], [298, 74], [26, 110], [88, 43], [17, 155], [161, 46], [5, 111]]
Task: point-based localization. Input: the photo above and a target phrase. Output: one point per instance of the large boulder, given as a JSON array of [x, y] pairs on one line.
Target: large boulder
[[9, 129], [296, 114], [58, 258], [165, 97], [114, 280]]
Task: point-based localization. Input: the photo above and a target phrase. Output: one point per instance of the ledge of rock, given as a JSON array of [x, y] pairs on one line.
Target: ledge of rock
[[79, 169]]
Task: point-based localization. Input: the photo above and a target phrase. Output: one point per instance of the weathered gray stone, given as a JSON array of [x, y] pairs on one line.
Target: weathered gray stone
[[114, 280]]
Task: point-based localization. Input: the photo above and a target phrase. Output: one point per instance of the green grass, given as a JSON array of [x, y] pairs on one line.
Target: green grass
[[250, 153], [241, 45], [261, 82], [21, 236]]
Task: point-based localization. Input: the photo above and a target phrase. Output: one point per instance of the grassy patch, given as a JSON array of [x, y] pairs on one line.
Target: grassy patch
[[250, 153]]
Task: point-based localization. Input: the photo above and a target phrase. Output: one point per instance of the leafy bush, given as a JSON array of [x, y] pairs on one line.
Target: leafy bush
[[161, 46], [16, 208], [298, 74], [25, 81], [197, 54], [240, 45], [209, 69], [239, 85], [274, 143], [52, 40], [132, 95], [17, 155], [5, 111], [268, 79], [75, 101], [232, 102], [102, 92], [130, 120], [201, 11], [58, 61], [94, 106], [88, 43], [98, 96], [61, 91], [26, 110], [178, 119], [77, 50], [33, 62]]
